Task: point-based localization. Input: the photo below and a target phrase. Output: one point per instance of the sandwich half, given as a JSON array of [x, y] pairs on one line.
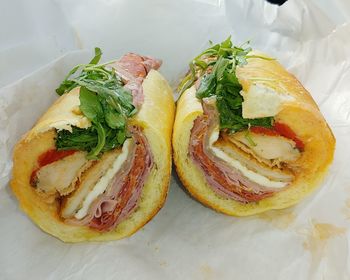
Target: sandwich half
[[96, 166], [248, 137]]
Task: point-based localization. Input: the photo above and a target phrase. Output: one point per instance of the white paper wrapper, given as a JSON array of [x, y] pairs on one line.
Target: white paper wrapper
[[40, 44]]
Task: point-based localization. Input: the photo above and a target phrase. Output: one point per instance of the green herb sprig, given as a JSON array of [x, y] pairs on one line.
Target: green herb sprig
[[216, 69], [104, 101]]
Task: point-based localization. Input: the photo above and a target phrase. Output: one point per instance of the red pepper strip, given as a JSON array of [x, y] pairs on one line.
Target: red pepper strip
[[53, 155]]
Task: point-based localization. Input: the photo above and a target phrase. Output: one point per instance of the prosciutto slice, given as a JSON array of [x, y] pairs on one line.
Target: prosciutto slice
[[123, 193], [223, 179], [133, 68]]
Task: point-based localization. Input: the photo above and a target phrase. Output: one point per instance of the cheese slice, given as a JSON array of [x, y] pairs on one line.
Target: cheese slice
[[251, 175], [103, 183]]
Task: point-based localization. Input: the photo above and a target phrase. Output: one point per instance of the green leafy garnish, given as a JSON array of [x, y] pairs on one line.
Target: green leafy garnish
[[249, 138], [97, 57], [104, 101], [216, 69]]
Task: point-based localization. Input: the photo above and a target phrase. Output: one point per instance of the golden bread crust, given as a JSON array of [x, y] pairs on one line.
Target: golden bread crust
[[300, 113], [63, 114], [158, 102]]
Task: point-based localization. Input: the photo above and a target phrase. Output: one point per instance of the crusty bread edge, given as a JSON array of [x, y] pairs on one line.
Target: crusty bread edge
[[158, 98], [303, 105]]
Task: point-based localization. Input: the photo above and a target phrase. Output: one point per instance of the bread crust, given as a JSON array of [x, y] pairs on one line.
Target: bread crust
[[300, 113], [158, 103]]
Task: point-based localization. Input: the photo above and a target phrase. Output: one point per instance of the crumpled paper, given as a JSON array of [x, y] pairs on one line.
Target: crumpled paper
[[41, 42]]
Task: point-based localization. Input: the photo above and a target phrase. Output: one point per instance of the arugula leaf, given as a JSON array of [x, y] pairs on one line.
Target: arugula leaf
[[97, 57], [101, 140], [87, 140], [118, 97], [65, 86], [104, 101], [249, 139], [115, 120], [207, 86], [90, 105], [78, 139], [216, 68]]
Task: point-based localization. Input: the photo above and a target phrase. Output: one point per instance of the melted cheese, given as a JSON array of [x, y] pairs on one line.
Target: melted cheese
[[103, 183], [251, 175]]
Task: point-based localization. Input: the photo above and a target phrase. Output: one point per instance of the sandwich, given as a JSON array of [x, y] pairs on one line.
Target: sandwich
[[248, 137], [96, 166]]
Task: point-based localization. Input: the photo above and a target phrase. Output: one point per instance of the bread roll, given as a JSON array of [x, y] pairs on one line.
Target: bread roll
[[54, 210], [268, 168]]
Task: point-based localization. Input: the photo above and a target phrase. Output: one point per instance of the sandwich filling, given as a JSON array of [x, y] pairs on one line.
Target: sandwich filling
[[96, 174], [244, 154], [237, 168]]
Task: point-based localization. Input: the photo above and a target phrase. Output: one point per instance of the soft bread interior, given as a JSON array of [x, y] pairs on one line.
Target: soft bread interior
[[300, 113], [155, 117]]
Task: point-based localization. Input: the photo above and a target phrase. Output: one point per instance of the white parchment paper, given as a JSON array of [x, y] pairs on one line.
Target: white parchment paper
[[42, 40]]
